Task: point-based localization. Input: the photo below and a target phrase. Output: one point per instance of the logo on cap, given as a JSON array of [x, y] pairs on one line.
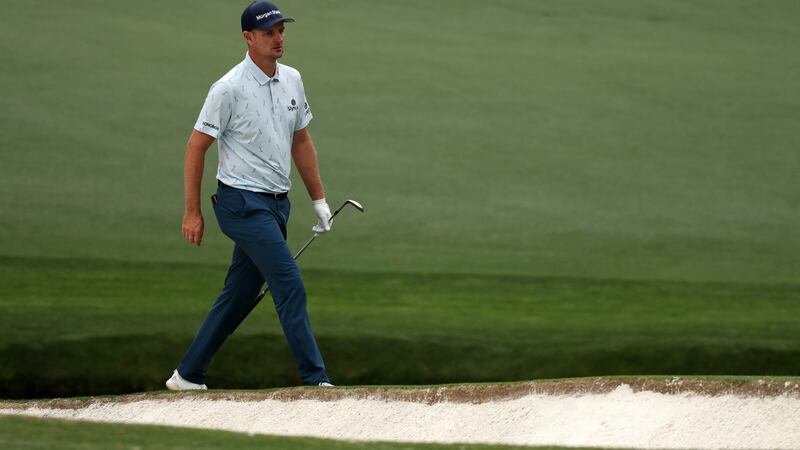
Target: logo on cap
[[262, 15], [267, 14]]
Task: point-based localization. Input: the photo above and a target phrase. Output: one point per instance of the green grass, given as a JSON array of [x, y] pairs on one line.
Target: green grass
[[26, 433], [627, 139], [127, 324], [553, 188]]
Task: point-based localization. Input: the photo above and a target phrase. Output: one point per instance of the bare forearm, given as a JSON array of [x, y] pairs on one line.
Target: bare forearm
[[194, 160], [192, 179], [305, 159], [194, 163]]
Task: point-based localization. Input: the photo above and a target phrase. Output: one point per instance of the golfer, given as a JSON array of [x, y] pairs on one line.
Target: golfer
[[259, 113]]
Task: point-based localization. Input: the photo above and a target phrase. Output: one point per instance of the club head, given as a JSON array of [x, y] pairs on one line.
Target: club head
[[350, 202], [355, 204]]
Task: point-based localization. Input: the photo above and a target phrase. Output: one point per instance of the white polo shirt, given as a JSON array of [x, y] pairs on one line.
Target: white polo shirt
[[254, 118]]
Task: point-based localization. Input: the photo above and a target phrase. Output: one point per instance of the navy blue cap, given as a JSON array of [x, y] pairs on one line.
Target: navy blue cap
[[262, 16]]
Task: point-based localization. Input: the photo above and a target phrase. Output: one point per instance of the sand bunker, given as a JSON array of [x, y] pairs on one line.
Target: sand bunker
[[605, 415]]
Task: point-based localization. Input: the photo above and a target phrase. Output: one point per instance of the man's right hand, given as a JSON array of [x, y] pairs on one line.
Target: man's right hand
[[196, 148], [193, 227]]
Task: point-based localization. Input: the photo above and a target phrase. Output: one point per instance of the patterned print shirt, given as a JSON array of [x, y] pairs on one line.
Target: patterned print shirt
[[254, 117]]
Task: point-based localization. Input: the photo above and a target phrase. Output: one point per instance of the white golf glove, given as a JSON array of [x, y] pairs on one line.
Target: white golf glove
[[323, 213]]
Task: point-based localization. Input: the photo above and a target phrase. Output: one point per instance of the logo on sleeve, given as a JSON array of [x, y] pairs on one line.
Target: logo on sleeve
[[210, 125]]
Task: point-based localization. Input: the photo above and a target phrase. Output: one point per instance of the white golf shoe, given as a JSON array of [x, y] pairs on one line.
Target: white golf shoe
[[177, 383], [325, 384]]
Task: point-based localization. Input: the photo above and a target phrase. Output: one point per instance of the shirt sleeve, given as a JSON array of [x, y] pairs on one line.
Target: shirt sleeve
[[304, 115], [216, 111]]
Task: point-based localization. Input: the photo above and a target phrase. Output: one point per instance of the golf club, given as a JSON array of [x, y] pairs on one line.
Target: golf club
[[350, 202]]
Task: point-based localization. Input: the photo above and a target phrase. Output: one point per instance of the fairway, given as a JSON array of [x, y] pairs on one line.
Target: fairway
[[629, 139], [552, 189]]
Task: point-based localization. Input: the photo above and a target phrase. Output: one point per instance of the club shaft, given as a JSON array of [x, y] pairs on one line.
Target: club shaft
[[305, 246]]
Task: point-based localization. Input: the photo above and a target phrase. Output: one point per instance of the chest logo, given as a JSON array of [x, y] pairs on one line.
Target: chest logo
[[294, 106]]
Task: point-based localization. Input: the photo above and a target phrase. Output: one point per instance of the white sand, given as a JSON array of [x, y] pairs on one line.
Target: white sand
[[621, 418]]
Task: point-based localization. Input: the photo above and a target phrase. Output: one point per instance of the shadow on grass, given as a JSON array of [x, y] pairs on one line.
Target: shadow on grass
[[118, 365]]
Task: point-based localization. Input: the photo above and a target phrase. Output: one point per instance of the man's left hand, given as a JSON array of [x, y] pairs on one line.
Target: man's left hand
[[323, 212]]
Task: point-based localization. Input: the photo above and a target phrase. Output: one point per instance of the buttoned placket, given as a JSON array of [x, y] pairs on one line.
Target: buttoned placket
[[273, 97]]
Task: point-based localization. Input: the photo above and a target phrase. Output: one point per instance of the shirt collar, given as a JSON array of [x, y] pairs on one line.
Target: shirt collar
[[259, 74]]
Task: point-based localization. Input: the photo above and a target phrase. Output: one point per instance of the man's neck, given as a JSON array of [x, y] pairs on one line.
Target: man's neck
[[267, 65]]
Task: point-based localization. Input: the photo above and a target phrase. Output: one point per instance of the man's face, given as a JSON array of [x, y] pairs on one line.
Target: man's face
[[266, 43]]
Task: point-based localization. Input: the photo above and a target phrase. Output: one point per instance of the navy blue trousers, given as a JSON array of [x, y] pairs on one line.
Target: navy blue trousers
[[257, 225]]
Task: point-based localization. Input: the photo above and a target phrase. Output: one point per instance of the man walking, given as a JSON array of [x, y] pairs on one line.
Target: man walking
[[259, 113]]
